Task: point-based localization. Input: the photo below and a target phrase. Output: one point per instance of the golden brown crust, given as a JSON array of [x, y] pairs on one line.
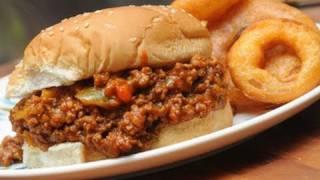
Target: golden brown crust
[[108, 40], [225, 32]]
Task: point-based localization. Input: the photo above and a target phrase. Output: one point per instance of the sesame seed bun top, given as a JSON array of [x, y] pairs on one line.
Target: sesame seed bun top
[[108, 40]]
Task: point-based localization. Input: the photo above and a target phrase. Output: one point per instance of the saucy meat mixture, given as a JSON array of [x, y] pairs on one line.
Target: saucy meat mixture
[[120, 113], [10, 150]]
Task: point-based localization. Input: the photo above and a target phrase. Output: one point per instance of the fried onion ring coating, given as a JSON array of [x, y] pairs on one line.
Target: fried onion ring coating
[[226, 31], [246, 60], [229, 27]]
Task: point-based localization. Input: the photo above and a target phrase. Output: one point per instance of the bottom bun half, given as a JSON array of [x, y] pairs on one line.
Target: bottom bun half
[[75, 152]]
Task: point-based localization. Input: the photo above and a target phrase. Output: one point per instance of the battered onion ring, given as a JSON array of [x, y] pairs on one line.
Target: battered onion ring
[[281, 62], [227, 30], [245, 60], [205, 9]]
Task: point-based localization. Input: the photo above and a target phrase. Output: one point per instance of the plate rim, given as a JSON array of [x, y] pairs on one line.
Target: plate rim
[[295, 105], [272, 117]]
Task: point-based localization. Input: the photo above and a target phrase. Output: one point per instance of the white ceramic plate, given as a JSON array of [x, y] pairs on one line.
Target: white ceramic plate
[[245, 125]]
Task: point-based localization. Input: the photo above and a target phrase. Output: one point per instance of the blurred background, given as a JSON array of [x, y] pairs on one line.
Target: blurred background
[[20, 20]]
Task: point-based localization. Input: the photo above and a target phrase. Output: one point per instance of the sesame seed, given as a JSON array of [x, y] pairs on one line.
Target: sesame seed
[[98, 11], [51, 33], [147, 5], [86, 25], [133, 39], [61, 29], [204, 23], [110, 13], [85, 14], [173, 11], [42, 31], [190, 15], [158, 19], [77, 28]]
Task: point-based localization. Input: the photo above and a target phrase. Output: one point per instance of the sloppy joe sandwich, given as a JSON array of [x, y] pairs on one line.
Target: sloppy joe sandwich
[[115, 82]]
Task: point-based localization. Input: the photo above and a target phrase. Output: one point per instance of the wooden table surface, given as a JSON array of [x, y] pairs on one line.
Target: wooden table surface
[[290, 150]]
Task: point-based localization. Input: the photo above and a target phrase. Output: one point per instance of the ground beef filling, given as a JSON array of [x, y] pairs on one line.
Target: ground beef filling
[[10, 150], [121, 113]]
